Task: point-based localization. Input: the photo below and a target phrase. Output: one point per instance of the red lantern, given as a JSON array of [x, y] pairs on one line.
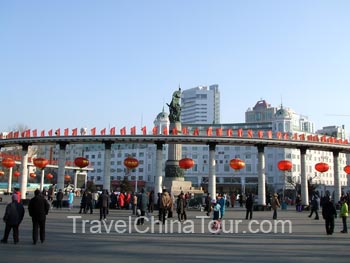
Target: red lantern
[[347, 169], [8, 162], [32, 175], [131, 162], [81, 162], [321, 167], [2, 173], [237, 164], [285, 165], [16, 174], [40, 162], [67, 177], [49, 176], [186, 163]]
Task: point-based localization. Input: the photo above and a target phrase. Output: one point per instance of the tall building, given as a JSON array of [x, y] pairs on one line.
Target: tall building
[[201, 105]]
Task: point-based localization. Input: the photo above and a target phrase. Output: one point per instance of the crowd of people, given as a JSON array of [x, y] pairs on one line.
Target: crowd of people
[[143, 203]]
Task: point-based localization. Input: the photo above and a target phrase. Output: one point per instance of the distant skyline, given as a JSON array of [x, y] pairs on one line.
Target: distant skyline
[[73, 64]]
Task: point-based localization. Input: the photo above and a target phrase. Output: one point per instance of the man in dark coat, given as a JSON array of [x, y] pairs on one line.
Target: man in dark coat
[[38, 208], [103, 202], [328, 213], [249, 206], [13, 217]]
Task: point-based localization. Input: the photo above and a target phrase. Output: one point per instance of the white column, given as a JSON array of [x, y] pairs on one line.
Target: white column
[[76, 179], [42, 179], [304, 189], [9, 184], [24, 171], [158, 178], [261, 176], [61, 166], [212, 176], [337, 186], [107, 167]]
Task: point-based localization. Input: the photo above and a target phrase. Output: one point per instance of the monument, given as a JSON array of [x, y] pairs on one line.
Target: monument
[[174, 175]]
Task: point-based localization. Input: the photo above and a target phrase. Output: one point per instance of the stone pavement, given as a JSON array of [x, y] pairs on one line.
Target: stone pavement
[[303, 239]]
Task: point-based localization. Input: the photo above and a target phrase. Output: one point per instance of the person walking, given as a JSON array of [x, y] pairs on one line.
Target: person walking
[[38, 208], [315, 206], [83, 203], [298, 204], [89, 202], [13, 217], [59, 198], [164, 205], [328, 214], [70, 199], [181, 207], [275, 204], [103, 203], [151, 202], [222, 201], [142, 205], [208, 206], [249, 207], [344, 212]]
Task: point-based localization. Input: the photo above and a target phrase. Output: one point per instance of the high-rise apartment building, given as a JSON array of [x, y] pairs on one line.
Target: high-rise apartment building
[[201, 105]]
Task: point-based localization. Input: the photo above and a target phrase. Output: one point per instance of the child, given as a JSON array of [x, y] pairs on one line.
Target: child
[[216, 226]]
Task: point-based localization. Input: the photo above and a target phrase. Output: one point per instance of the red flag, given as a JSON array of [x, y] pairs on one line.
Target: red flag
[[279, 135], [260, 134], [165, 130], [103, 131], [144, 130], [209, 131], [196, 132], [50, 132], [286, 136], [133, 130], [295, 136], [240, 132], [112, 131], [315, 138], [229, 132], [93, 131], [42, 133], [269, 134], [184, 131], [58, 132], [75, 132], [218, 131], [23, 133], [309, 137], [323, 138], [302, 137], [155, 130], [250, 133], [14, 135], [66, 132], [123, 131], [35, 133], [10, 135]]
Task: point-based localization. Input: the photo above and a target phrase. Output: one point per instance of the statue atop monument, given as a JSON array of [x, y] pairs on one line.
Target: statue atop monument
[[174, 107]]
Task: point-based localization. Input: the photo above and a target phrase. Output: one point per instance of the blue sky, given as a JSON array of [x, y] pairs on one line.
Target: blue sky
[[73, 64]]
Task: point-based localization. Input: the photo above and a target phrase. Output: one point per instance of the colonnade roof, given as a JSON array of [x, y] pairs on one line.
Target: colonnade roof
[[177, 139]]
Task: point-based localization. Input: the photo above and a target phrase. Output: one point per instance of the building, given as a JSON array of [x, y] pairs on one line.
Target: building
[[201, 105]]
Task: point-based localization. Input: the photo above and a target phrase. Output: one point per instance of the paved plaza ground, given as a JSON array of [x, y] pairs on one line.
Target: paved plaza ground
[[304, 241]]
